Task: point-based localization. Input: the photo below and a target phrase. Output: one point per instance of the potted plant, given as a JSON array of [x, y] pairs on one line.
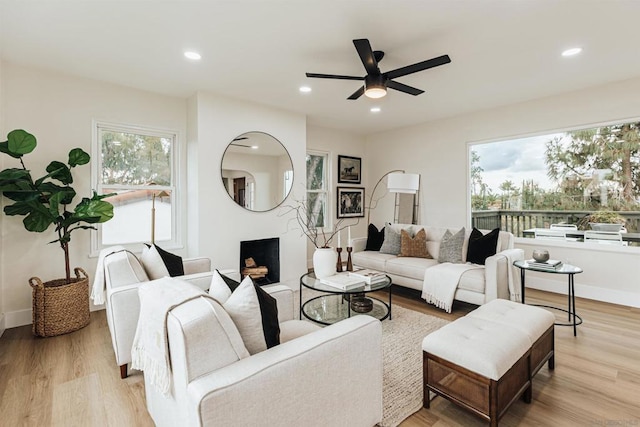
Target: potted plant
[[45, 202], [605, 221]]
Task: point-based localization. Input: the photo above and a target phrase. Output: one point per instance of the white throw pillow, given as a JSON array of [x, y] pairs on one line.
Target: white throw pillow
[[219, 288], [244, 308], [153, 263]]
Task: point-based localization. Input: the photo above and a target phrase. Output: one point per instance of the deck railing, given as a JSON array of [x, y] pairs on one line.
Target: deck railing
[[516, 221]]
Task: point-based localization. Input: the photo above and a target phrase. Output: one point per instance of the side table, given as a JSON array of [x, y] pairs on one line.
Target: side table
[[567, 269]]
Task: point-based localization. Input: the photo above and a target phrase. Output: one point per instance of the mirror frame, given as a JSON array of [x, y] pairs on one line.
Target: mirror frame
[[222, 178]]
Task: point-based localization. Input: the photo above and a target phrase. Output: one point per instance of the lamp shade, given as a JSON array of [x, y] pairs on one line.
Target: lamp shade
[[403, 182]]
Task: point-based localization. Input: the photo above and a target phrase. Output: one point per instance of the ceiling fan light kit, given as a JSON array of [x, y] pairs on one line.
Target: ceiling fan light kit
[[374, 86], [377, 83]]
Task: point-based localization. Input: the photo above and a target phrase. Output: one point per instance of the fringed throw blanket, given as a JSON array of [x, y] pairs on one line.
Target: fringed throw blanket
[[97, 290], [150, 351], [441, 281]]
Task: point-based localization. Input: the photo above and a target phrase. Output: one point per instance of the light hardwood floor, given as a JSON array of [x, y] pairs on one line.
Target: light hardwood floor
[[72, 380]]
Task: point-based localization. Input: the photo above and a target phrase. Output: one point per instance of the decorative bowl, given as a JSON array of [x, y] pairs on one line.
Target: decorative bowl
[[540, 255]]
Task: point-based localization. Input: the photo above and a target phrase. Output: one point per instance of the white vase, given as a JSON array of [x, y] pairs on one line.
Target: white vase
[[324, 262]]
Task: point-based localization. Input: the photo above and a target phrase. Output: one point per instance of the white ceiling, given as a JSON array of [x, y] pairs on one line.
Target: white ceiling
[[502, 51]]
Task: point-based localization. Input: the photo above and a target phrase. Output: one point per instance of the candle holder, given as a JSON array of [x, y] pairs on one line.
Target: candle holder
[[349, 263], [339, 262]]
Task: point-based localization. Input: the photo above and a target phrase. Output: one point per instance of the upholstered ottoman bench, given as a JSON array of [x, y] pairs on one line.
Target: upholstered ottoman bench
[[486, 360]]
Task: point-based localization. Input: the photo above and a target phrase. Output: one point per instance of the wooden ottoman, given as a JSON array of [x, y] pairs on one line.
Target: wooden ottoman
[[486, 360]]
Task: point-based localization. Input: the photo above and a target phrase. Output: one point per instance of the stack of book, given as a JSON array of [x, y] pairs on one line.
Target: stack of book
[[368, 276], [343, 281], [551, 264]]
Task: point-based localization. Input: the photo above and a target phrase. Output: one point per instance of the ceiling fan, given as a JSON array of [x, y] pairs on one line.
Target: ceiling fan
[[375, 82]]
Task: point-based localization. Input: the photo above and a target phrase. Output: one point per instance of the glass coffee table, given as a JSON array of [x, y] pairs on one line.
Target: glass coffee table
[[336, 304]]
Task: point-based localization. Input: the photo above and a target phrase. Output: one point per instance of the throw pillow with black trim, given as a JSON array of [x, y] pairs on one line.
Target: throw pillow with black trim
[[391, 244], [159, 263], [482, 246], [415, 246], [252, 309], [451, 247], [375, 238]]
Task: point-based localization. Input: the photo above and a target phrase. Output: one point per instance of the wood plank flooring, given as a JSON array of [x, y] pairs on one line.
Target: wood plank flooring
[[72, 380]]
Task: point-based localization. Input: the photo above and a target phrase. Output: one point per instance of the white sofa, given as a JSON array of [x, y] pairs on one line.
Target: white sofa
[[328, 376], [123, 274], [476, 286]]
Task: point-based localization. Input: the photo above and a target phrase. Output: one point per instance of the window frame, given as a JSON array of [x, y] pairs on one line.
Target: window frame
[[176, 179], [328, 218], [531, 241]]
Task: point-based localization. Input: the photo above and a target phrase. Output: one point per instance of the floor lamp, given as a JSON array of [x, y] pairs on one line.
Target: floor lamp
[[161, 194], [397, 182]]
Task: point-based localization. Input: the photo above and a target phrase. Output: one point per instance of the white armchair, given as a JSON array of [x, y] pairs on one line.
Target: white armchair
[[123, 273], [328, 376]]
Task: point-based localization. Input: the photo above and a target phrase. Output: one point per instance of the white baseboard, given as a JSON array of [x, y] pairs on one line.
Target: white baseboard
[[13, 319], [2, 327], [598, 293]]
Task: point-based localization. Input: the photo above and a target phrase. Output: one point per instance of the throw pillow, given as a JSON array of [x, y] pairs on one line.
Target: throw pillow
[[375, 238], [252, 309], [482, 246], [414, 246], [391, 244], [451, 247], [159, 263]]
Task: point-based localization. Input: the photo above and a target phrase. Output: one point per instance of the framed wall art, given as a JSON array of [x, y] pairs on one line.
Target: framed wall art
[[350, 202], [349, 170]]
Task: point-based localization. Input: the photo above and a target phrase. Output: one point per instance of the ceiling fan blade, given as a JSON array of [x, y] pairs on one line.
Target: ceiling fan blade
[[240, 138], [332, 76], [404, 88], [366, 56], [420, 66], [357, 94]]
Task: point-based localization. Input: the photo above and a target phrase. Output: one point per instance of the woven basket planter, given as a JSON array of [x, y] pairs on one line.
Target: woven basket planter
[[58, 307]]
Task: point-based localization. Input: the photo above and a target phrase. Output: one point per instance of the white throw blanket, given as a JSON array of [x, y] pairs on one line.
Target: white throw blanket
[[150, 350], [512, 275], [97, 290], [441, 281]]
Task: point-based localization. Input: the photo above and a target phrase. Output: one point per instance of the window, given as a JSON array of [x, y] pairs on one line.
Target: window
[[139, 167], [576, 177], [317, 193]]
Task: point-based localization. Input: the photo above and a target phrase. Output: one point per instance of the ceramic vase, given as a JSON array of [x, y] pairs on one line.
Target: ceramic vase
[[324, 262]]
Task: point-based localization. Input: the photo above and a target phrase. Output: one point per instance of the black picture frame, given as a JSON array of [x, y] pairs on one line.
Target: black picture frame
[[349, 170], [350, 202]]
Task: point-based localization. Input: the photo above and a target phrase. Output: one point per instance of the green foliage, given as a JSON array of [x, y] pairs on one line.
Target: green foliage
[[43, 202]]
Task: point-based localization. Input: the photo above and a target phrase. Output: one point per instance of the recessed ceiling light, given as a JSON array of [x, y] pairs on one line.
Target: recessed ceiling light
[[192, 55], [572, 51], [375, 109], [254, 147], [305, 89]]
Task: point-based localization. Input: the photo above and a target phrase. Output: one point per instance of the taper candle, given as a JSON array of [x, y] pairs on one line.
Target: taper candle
[[339, 244]]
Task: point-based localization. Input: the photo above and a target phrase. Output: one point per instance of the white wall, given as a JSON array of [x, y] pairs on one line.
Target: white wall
[[220, 222], [438, 151], [58, 109], [344, 143]]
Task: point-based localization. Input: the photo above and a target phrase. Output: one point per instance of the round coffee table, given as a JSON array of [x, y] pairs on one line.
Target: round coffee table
[[336, 304]]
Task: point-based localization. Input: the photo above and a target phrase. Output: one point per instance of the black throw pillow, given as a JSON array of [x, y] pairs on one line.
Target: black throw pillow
[[375, 238], [268, 311], [173, 262], [482, 246]]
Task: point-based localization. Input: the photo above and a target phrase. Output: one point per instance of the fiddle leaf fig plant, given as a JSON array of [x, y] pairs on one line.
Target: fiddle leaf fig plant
[[46, 201]]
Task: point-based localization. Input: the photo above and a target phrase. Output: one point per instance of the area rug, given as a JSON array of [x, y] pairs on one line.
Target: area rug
[[402, 360]]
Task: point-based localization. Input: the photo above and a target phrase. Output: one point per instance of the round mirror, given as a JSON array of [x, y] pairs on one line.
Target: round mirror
[[257, 171]]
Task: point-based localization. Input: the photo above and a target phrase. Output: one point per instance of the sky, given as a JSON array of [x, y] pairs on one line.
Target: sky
[[515, 160]]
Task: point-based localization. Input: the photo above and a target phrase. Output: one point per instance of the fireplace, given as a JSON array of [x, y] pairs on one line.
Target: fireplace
[[261, 260]]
